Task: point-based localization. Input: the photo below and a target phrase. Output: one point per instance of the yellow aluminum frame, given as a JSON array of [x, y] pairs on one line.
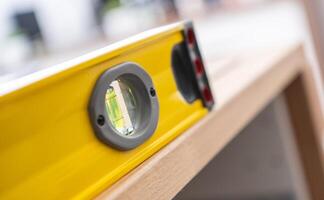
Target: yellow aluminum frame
[[48, 149]]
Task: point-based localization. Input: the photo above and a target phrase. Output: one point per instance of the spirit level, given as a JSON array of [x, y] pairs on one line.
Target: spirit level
[[72, 130]]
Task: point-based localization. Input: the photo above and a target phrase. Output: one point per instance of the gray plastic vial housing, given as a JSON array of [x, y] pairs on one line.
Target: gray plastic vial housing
[[107, 117]]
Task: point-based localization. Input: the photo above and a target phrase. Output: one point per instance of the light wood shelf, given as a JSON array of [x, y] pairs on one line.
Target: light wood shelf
[[243, 85]]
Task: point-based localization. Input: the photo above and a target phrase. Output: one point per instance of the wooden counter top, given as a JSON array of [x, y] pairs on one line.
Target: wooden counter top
[[243, 85]]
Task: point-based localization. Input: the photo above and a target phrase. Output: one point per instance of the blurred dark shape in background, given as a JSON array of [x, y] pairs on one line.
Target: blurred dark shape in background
[[170, 8], [26, 22]]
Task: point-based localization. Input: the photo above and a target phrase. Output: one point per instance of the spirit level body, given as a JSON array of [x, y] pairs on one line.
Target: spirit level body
[[48, 148]]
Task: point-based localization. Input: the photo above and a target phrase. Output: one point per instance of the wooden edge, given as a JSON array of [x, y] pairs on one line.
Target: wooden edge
[[291, 153], [313, 12], [163, 175], [307, 122]]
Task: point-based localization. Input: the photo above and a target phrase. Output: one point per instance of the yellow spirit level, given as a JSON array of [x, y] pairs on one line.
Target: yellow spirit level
[[72, 130]]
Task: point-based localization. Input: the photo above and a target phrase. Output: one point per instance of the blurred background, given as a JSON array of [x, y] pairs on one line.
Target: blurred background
[[36, 34]]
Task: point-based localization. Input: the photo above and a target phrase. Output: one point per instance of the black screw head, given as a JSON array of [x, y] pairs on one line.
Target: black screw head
[[101, 120], [152, 92]]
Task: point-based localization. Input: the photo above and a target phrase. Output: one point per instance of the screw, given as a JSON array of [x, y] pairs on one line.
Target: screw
[[152, 92], [101, 120]]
